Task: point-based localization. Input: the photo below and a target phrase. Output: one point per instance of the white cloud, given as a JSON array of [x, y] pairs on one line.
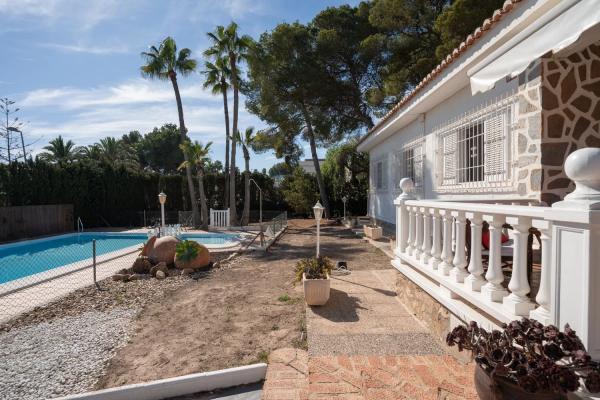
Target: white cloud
[[88, 49], [137, 91]]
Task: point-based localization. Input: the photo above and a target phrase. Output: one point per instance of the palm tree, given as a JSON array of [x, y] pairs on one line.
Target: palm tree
[[60, 152], [165, 63], [217, 79], [245, 142], [115, 152], [227, 43], [197, 155]]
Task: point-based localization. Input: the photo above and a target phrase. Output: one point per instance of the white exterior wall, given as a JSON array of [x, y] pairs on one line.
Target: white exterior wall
[[381, 204]]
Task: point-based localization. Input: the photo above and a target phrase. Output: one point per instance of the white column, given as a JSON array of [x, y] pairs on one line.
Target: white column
[[493, 289], [518, 302], [436, 248], [426, 248], [543, 313], [459, 273], [446, 255], [212, 218], [419, 233], [475, 281], [402, 215], [411, 231]]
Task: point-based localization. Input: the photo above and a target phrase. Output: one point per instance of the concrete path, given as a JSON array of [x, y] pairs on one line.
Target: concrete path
[[364, 344]]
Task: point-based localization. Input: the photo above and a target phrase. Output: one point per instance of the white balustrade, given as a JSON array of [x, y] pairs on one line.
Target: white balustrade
[[570, 255], [426, 248], [219, 218]]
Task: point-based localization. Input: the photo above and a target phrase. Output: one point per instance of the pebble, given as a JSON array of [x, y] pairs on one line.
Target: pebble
[[64, 356]]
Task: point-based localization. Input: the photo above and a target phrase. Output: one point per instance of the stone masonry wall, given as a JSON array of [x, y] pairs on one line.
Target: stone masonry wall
[[528, 165], [570, 115]]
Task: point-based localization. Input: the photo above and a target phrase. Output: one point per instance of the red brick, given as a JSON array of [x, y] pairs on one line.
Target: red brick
[[320, 377]]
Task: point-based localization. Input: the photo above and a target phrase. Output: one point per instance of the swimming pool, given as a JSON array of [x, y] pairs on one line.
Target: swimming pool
[[22, 259]]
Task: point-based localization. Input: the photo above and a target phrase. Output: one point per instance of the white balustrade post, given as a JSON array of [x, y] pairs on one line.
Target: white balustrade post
[[212, 218], [518, 302], [446, 265], [458, 273], [411, 231], [544, 312], [402, 215], [576, 250], [493, 289], [436, 248], [475, 281], [426, 248], [228, 218], [419, 233]]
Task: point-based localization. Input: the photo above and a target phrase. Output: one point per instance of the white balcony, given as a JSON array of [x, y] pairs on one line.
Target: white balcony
[[435, 250]]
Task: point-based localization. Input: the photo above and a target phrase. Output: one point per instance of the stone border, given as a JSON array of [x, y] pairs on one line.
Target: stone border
[[179, 386]]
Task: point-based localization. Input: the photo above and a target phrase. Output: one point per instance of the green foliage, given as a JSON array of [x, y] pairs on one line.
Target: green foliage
[[159, 150], [314, 268], [300, 191], [164, 62], [284, 298], [60, 152], [346, 173], [187, 250], [280, 169]]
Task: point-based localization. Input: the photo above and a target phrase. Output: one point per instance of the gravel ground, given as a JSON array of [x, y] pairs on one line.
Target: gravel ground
[[62, 356]]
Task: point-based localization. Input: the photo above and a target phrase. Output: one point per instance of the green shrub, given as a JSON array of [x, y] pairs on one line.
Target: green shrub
[[314, 268], [187, 250]]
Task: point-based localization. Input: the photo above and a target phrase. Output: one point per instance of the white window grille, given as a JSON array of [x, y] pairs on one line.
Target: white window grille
[[380, 174], [409, 163], [475, 150]]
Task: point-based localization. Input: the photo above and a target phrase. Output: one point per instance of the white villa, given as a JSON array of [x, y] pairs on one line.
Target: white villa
[[484, 139]]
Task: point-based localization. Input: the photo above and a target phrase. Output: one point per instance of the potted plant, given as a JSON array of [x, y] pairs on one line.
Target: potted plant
[[190, 254], [314, 274], [373, 231], [527, 360]]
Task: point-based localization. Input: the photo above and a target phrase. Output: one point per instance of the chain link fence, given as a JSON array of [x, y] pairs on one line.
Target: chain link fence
[[37, 272]]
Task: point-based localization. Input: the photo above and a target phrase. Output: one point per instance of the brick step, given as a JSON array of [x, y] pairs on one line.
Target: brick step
[[287, 375]]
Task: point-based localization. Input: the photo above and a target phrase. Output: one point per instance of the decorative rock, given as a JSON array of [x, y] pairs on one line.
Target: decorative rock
[[160, 249], [136, 277], [162, 266], [187, 271], [119, 277], [160, 275], [141, 265]]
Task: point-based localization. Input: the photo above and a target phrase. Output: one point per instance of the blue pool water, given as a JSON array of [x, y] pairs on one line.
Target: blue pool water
[[26, 258]]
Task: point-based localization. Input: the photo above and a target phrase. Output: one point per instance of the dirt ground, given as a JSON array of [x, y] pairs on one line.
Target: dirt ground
[[235, 315]]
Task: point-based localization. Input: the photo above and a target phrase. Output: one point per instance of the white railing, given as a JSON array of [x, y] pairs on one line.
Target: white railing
[[219, 218], [431, 250]]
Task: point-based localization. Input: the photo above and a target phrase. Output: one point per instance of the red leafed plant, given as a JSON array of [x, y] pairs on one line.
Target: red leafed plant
[[534, 356]]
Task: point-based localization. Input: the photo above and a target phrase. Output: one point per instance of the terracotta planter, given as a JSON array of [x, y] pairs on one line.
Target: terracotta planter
[[316, 291], [373, 232], [503, 389]]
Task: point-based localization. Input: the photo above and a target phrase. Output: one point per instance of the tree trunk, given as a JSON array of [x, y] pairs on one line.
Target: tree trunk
[[203, 207], [188, 168], [232, 209], [246, 213], [227, 134], [313, 151]]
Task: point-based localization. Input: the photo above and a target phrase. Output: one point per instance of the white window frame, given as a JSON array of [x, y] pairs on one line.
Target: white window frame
[[459, 167], [409, 163]]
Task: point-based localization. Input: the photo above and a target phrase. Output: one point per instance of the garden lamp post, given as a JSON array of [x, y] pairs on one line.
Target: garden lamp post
[[318, 211], [162, 198], [344, 200]]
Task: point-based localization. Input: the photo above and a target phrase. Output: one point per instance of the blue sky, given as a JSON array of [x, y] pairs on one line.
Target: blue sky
[[73, 65]]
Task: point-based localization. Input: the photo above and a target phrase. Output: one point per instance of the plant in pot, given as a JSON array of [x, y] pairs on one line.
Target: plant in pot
[[527, 360], [372, 230], [190, 254], [314, 274]]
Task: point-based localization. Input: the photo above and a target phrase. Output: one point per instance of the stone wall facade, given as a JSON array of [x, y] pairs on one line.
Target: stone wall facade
[[528, 166], [570, 115]]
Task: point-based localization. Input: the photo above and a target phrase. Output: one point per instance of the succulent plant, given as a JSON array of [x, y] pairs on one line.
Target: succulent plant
[[314, 268], [187, 250], [534, 356]]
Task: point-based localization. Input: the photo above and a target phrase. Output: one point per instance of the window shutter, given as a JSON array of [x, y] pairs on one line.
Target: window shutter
[[449, 158], [418, 165], [494, 153], [385, 171]]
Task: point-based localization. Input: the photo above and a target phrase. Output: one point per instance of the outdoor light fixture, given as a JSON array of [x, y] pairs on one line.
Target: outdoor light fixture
[[318, 211], [162, 199], [344, 200]]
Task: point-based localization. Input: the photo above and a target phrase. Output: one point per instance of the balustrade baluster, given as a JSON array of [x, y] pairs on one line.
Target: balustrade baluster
[[419, 233], [543, 313], [436, 248], [518, 302], [446, 266], [493, 289], [426, 248], [460, 260], [475, 281], [411, 230]]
